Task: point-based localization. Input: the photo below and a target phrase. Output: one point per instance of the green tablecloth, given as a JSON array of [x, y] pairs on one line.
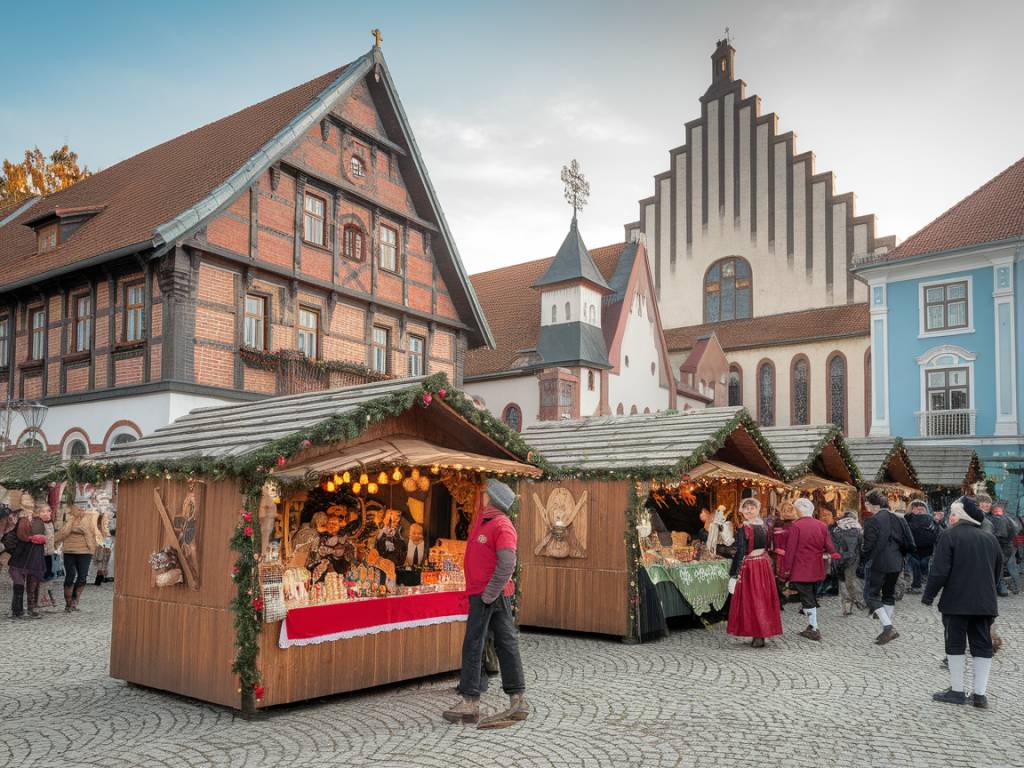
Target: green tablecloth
[[704, 583]]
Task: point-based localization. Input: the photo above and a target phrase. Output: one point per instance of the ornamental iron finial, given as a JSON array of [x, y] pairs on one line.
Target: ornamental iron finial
[[377, 37], [577, 188]]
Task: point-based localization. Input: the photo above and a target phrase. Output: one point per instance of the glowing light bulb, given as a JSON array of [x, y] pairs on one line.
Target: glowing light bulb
[[347, 477], [277, 499], [337, 479], [435, 469], [396, 475], [371, 488], [415, 473], [356, 488], [364, 479], [330, 486], [382, 478]]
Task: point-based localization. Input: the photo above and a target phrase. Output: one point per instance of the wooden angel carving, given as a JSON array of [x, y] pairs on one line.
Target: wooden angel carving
[[562, 523]]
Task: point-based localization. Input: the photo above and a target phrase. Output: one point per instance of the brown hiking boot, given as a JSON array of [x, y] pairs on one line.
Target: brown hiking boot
[[465, 710], [887, 635], [811, 634], [518, 710]]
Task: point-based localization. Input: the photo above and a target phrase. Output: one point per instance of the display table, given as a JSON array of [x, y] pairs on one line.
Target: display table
[[338, 621], [703, 583]]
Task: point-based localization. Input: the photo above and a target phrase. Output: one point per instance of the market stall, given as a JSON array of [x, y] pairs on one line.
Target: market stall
[[818, 464], [316, 539], [585, 566], [945, 472], [885, 464]]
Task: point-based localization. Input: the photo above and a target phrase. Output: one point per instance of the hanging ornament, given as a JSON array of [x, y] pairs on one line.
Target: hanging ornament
[[371, 488], [442, 393], [396, 475], [382, 478], [306, 443], [281, 461], [364, 479], [427, 399], [330, 486], [258, 691]]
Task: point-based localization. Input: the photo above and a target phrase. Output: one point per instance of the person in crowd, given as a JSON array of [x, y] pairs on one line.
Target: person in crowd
[[923, 528], [848, 540], [103, 559], [754, 609], [965, 568], [939, 518], [716, 533], [416, 554], [1017, 550], [1004, 530], [829, 586], [984, 502], [779, 532], [79, 537], [887, 538], [803, 566], [489, 562], [27, 564]]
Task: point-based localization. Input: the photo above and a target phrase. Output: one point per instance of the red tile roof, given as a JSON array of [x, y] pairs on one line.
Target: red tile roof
[[512, 307], [993, 212], [151, 188], [845, 320]]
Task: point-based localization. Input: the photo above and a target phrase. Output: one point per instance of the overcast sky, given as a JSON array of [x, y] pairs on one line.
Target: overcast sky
[[912, 103]]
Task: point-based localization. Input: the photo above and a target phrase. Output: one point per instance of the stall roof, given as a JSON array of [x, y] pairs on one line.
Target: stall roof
[[231, 432], [944, 466], [655, 443], [883, 459], [820, 449], [24, 466], [406, 451]]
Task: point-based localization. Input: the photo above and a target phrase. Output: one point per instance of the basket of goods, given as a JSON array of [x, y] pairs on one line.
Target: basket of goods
[[166, 568], [685, 554]]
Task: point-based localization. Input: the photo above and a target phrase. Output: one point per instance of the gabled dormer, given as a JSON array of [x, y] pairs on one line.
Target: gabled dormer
[[55, 226], [571, 291]]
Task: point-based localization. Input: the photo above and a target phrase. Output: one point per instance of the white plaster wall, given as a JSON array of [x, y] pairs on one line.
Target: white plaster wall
[[590, 401], [524, 391], [634, 384], [817, 355], [94, 418], [579, 297]]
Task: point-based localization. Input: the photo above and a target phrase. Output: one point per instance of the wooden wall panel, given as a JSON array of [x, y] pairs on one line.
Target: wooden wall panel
[[581, 594]]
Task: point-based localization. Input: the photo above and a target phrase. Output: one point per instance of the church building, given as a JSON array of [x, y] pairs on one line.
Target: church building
[[747, 239], [576, 335]]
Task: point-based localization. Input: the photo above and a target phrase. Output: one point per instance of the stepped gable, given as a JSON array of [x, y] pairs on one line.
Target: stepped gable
[[713, 190]]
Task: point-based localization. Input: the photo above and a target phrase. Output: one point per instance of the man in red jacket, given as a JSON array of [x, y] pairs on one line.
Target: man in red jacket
[[808, 546]]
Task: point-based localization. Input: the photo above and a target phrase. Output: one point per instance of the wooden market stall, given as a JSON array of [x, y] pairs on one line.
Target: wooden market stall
[[582, 563], [885, 464], [945, 472], [314, 538], [818, 464]]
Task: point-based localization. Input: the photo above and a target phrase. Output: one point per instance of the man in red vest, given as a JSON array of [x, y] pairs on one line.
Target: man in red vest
[[489, 563], [808, 546]]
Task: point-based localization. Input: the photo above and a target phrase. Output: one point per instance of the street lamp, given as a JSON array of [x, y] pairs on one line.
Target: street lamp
[[33, 413]]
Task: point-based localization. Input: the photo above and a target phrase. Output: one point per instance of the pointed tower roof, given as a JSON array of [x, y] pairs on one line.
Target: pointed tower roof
[[573, 262]]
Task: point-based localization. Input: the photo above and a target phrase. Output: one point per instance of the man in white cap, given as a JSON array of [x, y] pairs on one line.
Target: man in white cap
[[489, 562], [965, 567], [808, 546]]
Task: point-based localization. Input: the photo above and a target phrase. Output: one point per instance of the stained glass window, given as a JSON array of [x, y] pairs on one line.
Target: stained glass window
[[801, 391], [766, 394], [837, 391], [727, 290], [735, 386]]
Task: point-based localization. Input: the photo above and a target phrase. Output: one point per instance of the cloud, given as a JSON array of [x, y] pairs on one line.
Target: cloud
[[591, 120]]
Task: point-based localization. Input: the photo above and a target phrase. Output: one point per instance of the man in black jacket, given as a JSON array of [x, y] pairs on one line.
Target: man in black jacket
[[966, 566], [887, 539], [925, 532]]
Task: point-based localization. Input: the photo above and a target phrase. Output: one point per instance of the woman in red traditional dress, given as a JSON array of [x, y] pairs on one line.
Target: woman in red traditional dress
[[754, 610]]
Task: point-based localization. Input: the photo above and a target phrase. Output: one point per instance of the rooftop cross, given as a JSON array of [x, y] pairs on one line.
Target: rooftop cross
[[577, 188], [376, 38]]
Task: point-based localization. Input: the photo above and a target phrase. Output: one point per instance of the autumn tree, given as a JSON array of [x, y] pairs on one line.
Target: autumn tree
[[38, 174]]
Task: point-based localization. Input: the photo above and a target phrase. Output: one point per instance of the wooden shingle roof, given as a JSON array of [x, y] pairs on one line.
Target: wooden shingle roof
[[232, 431], [883, 459], [945, 466], [820, 448], [657, 443]]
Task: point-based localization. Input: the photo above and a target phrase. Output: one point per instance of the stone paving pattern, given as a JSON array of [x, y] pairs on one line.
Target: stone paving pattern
[[698, 698]]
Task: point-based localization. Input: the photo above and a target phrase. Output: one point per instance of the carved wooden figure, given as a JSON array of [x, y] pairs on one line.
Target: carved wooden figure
[[563, 525]]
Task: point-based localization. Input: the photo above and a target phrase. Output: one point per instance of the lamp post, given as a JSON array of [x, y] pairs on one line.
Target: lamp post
[[32, 412]]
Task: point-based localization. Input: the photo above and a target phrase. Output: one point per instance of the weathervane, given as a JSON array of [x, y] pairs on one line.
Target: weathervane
[[577, 188]]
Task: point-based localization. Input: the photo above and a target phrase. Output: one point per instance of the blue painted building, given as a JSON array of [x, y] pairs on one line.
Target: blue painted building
[[945, 314]]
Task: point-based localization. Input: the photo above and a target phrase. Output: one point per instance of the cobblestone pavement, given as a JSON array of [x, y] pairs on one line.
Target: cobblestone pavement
[[698, 698]]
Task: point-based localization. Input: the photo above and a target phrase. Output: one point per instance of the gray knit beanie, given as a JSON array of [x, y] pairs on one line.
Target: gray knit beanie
[[502, 497]]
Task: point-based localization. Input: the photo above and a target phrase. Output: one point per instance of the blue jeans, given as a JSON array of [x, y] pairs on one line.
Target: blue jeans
[[919, 569], [1013, 569], [495, 618]]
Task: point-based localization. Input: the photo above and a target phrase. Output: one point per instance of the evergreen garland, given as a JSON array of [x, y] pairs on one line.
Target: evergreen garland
[[637, 497]]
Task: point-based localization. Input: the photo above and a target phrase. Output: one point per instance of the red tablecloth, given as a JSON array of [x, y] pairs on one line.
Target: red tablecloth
[[337, 621]]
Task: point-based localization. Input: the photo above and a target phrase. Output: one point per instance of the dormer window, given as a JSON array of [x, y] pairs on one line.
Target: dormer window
[[46, 238]]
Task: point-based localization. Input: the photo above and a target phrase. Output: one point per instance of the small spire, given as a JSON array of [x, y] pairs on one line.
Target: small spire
[[377, 37]]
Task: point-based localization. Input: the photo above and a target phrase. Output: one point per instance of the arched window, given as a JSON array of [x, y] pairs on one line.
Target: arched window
[[124, 438], [728, 291], [800, 395], [554, 313], [590, 380], [647, 409], [358, 167], [593, 314], [633, 411], [735, 385], [654, 368], [513, 417], [766, 394], [568, 312], [620, 410], [836, 368]]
